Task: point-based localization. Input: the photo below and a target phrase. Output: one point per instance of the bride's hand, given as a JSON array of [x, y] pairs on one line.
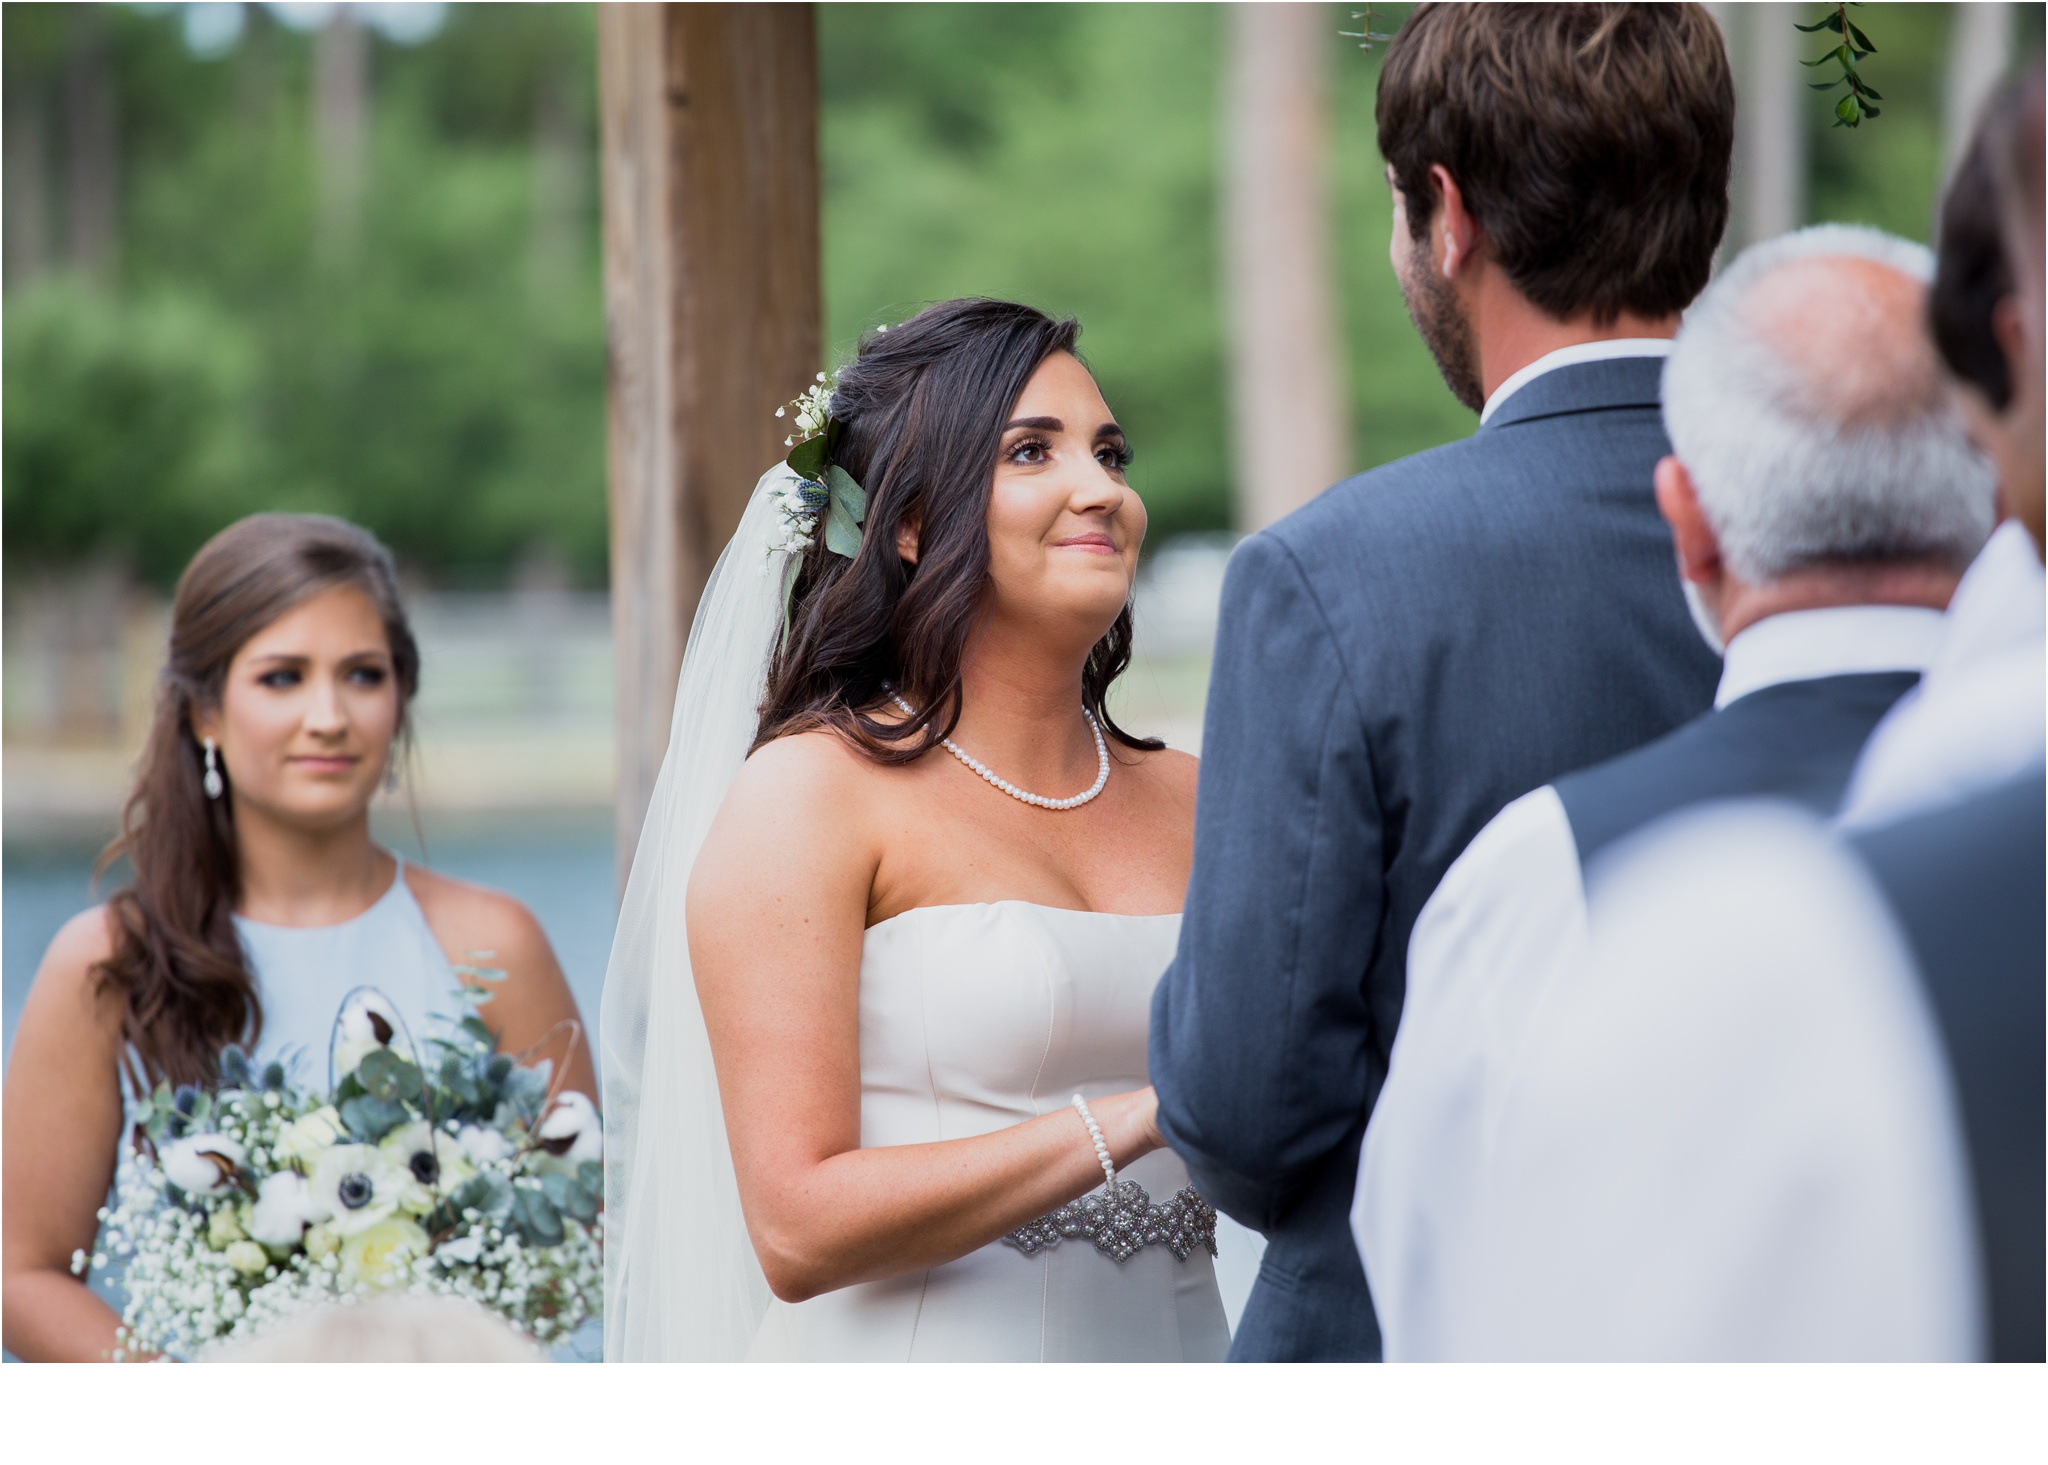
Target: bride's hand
[[1130, 1123]]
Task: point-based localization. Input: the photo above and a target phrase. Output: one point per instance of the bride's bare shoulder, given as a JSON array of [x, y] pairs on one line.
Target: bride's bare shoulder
[[802, 765], [1171, 771], [809, 784], [800, 801]]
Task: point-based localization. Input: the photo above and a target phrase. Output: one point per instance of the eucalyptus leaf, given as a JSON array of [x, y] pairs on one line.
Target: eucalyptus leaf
[[845, 490], [535, 1215], [385, 1075], [807, 458], [476, 1028], [369, 1118], [569, 1196], [842, 529], [486, 1192], [590, 1175]]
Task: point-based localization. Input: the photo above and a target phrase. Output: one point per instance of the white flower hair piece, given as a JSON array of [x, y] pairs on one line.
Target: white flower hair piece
[[812, 411]]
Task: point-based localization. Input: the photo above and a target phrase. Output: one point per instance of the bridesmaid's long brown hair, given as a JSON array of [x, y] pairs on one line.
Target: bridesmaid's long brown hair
[[177, 963]]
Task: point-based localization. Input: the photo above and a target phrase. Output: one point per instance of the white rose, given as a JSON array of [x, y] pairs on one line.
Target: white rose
[[572, 1132], [247, 1258], [481, 1145], [381, 1256], [306, 1136], [357, 1186], [284, 1208], [201, 1164]]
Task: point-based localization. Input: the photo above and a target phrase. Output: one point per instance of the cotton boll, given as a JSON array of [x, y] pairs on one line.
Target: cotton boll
[[201, 1164], [573, 1131], [363, 1026], [284, 1208]]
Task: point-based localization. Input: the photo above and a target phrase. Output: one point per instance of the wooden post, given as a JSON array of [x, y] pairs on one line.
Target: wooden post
[[1290, 420], [712, 307]]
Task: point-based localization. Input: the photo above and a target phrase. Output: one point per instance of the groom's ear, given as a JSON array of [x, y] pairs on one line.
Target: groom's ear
[[1699, 548], [1454, 232]]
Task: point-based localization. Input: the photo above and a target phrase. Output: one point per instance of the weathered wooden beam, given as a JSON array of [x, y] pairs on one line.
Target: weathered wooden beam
[[1290, 420], [713, 314]]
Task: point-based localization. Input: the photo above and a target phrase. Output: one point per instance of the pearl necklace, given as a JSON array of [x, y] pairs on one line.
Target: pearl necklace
[[1036, 800]]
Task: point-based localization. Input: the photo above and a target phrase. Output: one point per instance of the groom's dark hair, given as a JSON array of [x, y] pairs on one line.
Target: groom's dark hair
[[1591, 143]]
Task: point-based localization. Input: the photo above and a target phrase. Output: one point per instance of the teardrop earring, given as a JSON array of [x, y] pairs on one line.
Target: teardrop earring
[[212, 781]]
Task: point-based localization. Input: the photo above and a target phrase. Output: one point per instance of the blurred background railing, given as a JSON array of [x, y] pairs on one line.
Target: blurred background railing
[[347, 258]]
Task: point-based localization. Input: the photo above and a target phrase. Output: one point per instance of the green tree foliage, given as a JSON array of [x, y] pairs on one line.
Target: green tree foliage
[[125, 425], [443, 380], [1063, 155], [438, 379]]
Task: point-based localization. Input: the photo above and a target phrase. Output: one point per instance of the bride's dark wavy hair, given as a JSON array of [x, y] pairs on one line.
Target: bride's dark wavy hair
[[923, 406]]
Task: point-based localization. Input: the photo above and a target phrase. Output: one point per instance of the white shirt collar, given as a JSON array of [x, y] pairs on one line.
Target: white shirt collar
[[1842, 640], [1999, 601], [1572, 356]]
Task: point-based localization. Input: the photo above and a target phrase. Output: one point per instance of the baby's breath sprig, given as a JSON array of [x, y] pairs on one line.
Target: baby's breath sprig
[[812, 411]]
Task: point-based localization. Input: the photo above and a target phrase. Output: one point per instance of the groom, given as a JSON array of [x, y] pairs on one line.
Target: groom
[[1430, 640]]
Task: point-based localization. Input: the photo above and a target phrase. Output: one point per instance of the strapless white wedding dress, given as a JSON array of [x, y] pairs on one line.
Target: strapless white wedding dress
[[974, 1018]]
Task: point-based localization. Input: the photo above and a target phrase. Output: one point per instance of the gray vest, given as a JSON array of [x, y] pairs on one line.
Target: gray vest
[[1795, 740], [1967, 884]]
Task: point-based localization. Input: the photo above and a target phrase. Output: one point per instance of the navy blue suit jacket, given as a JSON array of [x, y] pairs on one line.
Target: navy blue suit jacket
[[1394, 663]]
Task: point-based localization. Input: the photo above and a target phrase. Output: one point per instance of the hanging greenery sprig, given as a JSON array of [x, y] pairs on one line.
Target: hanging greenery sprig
[[1366, 36], [1851, 47]]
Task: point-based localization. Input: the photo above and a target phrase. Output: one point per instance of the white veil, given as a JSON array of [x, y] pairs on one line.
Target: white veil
[[681, 1281]]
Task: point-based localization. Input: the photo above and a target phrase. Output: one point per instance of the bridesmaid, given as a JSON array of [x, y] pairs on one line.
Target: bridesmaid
[[259, 898]]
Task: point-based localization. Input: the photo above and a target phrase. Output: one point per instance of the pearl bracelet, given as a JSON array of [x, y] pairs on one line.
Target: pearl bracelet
[[1101, 1145]]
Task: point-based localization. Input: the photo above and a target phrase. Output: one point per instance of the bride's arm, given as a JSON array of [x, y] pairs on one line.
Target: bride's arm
[[63, 1121], [777, 906]]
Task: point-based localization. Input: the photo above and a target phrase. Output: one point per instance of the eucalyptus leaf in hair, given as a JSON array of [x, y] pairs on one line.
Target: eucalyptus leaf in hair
[[844, 513]]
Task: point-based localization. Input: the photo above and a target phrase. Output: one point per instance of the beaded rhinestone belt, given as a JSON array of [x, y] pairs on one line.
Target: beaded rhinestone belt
[[1121, 1220]]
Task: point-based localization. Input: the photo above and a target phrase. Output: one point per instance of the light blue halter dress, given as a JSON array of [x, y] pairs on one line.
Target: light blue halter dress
[[304, 972]]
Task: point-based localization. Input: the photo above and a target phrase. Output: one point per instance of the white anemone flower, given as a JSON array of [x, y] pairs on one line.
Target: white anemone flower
[[433, 1163], [357, 1186], [201, 1164]]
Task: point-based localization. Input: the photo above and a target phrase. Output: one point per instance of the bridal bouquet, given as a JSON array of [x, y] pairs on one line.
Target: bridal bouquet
[[450, 1171]]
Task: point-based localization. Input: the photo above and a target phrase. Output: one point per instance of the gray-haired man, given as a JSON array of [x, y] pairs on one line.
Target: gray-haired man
[[1823, 499]]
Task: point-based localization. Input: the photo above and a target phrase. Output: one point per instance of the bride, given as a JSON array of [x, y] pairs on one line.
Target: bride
[[874, 1028]]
